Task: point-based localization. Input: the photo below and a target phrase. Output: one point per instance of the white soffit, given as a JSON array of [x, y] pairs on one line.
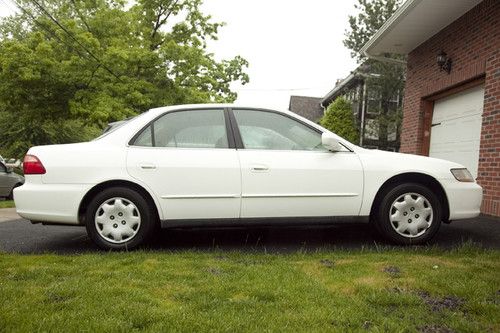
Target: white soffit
[[415, 22]]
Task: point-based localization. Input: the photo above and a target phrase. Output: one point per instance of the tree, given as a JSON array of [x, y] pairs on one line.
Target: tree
[[385, 80], [372, 14], [339, 119], [67, 68]]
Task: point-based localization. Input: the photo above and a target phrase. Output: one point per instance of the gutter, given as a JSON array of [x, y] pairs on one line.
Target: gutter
[[385, 59], [337, 88], [402, 11], [363, 111], [355, 74]]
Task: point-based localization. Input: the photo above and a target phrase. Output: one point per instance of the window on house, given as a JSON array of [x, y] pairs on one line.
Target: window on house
[[373, 102], [372, 129], [392, 132]]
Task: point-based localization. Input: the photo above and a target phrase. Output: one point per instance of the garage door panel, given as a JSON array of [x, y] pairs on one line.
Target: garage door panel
[[447, 115], [456, 130], [461, 157]]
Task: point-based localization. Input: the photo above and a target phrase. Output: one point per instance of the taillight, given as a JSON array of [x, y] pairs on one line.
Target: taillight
[[33, 166]]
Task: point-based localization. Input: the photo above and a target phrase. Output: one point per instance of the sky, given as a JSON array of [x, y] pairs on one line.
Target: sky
[[293, 47]]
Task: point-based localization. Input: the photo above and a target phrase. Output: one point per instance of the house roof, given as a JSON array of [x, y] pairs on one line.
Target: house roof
[[338, 89], [415, 22], [307, 107]]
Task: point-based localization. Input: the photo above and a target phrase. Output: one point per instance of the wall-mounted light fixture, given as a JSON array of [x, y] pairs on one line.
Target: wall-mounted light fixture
[[444, 62]]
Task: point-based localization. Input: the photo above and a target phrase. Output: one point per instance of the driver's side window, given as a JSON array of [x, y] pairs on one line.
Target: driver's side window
[[273, 131], [3, 168]]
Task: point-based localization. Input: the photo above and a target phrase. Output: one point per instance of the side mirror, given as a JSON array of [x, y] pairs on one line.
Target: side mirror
[[330, 142]]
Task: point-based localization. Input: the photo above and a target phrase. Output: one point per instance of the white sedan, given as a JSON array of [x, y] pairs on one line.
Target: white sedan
[[224, 165]]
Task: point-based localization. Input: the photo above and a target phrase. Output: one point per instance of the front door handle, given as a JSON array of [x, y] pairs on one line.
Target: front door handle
[[148, 166], [260, 168]]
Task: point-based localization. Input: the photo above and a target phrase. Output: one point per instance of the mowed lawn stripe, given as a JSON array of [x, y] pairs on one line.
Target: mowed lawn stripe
[[398, 289]]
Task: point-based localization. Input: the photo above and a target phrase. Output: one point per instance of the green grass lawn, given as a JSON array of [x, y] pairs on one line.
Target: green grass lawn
[[395, 290], [7, 204]]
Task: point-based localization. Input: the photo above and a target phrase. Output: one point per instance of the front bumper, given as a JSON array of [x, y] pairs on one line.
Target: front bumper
[[56, 203], [464, 199]]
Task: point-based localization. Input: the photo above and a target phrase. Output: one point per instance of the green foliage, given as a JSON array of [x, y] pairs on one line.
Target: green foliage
[[339, 119], [153, 53], [387, 82], [383, 79], [372, 14]]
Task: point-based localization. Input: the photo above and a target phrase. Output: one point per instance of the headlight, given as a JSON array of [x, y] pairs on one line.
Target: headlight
[[462, 175]]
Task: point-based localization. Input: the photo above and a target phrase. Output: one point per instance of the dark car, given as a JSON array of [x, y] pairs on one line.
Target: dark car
[[8, 181]]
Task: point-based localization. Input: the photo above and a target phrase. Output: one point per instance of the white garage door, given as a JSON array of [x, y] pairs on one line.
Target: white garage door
[[456, 128]]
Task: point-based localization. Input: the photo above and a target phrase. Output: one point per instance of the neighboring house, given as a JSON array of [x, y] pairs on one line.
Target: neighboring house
[[452, 94], [307, 107], [366, 109]]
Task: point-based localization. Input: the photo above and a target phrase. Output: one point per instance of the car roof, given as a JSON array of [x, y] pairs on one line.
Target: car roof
[[213, 105], [156, 112]]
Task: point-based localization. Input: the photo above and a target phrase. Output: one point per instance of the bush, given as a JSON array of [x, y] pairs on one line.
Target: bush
[[339, 119]]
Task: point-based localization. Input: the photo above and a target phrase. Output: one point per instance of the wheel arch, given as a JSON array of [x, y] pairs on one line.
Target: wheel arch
[[115, 183], [413, 177], [11, 193]]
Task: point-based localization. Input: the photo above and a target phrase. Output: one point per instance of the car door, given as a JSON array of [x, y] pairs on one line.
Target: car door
[[287, 172], [5, 181], [189, 161]]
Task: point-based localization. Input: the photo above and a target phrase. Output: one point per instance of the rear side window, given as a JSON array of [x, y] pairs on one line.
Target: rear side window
[[186, 129], [145, 139]]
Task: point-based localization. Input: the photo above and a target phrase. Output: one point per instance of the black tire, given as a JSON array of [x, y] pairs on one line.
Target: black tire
[[144, 232], [386, 228]]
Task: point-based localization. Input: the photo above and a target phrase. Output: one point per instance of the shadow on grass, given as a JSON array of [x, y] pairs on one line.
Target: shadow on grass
[[270, 239], [23, 237]]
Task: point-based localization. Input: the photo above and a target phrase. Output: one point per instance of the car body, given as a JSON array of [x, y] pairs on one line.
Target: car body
[[8, 181], [220, 164]]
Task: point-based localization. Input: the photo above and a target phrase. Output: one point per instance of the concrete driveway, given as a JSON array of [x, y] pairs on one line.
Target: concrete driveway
[[20, 236], [8, 214]]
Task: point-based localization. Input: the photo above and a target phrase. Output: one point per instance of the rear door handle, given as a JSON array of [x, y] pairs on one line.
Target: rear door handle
[[148, 166]]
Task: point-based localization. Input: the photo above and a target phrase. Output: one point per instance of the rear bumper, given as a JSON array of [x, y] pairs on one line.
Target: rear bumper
[[56, 203], [464, 199]]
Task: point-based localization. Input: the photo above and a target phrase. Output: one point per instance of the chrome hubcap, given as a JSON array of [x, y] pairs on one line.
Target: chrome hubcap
[[411, 215], [117, 220]]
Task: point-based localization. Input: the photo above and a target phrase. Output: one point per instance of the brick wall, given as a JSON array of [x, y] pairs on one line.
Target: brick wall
[[473, 43]]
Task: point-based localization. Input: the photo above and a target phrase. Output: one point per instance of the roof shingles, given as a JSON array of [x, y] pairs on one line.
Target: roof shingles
[[307, 107]]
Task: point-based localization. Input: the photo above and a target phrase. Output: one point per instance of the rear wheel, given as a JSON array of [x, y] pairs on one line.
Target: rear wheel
[[409, 214], [120, 218]]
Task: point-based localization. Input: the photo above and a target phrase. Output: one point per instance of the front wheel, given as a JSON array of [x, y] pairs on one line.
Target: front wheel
[[119, 218], [409, 214]]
